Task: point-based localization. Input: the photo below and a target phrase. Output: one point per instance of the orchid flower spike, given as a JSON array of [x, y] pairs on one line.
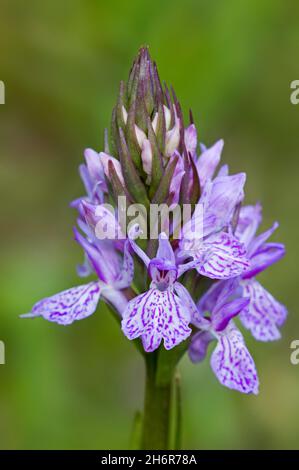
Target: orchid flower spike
[[197, 284]]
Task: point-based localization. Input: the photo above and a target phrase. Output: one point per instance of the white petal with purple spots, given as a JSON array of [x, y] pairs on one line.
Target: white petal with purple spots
[[264, 314], [154, 316], [232, 363], [221, 256], [70, 305]]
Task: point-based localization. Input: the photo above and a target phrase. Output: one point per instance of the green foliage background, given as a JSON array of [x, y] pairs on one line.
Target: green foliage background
[[232, 62]]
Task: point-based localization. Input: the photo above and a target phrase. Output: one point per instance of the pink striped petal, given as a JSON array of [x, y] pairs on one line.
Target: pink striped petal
[[72, 304], [221, 256], [232, 363], [154, 316], [264, 313]]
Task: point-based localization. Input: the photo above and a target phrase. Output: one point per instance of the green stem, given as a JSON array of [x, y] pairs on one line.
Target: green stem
[[177, 437], [157, 408]]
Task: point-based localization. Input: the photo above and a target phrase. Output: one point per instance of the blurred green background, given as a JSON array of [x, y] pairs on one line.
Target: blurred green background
[[232, 62]]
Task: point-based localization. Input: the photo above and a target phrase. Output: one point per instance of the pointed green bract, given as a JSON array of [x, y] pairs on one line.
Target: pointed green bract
[[133, 182], [164, 186]]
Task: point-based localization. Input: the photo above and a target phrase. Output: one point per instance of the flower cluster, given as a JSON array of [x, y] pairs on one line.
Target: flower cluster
[[169, 291]]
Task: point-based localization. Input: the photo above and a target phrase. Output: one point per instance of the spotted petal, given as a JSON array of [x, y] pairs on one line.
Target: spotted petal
[[221, 256], [70, 305], [154, 316], [232, 363], [264, 314]]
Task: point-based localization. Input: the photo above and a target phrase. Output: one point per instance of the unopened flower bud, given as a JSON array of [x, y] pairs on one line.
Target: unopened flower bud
[[147, 156], [173, 137], [105, 159]]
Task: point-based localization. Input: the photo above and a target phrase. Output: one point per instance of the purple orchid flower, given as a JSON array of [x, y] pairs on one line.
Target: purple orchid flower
[[89, 216], [217, 254], [80, 302], [162, 312], [264, 313], [231, 361]]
